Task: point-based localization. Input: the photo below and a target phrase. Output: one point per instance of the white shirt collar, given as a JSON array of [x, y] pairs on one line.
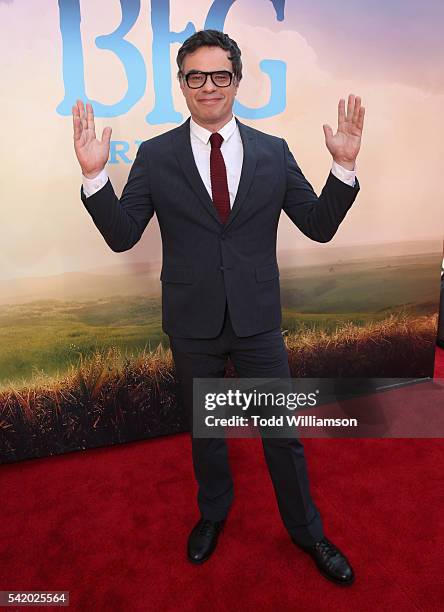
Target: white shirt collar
[[204, 135]]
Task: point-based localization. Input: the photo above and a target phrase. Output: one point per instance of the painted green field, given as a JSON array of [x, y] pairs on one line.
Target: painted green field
[[49, 335], [370, 287]]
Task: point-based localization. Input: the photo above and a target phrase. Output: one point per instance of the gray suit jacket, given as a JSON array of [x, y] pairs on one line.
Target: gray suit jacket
[[206, 263]]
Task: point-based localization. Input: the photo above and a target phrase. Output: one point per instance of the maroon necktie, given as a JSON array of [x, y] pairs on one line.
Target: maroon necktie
[[218, 173]]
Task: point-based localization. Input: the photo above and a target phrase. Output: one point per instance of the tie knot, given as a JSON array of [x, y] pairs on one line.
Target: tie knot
[[216, 140]]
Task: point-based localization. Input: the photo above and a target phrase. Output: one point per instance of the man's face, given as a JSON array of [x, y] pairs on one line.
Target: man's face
[[209, 105]]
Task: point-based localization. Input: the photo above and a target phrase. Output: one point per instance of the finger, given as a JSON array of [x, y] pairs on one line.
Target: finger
[[75, 115], [341, 112], [356, 110], [76, 122], [360, 122], [75, 118], [90, 119], [106, 135], [80, 108], [328, 132], [82, 113], [77, 126], [350, 107]]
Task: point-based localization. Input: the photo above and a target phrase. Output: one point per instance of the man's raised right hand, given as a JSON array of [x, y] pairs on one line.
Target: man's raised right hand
[[91, 153]]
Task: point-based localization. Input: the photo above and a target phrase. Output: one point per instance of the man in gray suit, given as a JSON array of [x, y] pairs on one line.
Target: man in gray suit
[[218, 188]]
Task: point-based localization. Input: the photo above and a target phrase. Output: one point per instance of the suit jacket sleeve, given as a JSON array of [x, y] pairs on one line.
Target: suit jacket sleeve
[[317, 217], [122, 223]]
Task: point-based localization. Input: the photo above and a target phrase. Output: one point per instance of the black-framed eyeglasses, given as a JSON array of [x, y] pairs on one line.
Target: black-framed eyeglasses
[[197, 78]]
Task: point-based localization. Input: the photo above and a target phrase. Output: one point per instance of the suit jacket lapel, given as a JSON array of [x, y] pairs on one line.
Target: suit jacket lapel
[[248, 169], [184, 153]]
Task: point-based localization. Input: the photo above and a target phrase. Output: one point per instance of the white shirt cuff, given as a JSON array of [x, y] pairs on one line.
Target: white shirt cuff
[[344, 175], [91, 186]]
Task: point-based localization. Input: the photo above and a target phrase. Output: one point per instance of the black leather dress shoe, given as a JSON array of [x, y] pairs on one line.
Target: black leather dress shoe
[[331, 562], [203, 539]]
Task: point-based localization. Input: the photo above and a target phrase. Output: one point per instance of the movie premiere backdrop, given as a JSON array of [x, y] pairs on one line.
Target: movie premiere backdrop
[[83, 359]]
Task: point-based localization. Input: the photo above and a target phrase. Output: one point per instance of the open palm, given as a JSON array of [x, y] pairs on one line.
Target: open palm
[[345, 144], [91, 152]]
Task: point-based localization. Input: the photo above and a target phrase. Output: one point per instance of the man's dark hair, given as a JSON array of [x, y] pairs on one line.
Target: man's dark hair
[[211, 38]]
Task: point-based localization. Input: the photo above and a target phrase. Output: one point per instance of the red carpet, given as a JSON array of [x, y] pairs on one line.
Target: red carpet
[[439, 363], [110, 525]]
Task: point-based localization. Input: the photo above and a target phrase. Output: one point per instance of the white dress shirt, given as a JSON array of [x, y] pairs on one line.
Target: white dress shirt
[[232, 152], [231, 148]]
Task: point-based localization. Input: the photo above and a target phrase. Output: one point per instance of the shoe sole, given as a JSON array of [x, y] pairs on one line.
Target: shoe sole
[[198, 561], [335, 580]]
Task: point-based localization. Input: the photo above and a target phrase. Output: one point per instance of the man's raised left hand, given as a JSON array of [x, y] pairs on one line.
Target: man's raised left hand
[[345, 144]]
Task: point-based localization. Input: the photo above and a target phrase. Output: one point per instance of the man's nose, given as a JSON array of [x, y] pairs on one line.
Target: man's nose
[[209, 85]]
